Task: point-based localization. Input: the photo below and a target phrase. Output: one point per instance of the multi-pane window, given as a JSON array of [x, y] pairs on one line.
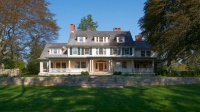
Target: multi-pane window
[[79, 64], [100, 51], [87, 51], [81, 39], [124, 64], [101, 39], [118, 65], [55, 51], [114, 51], [119, 51], [145, 53], [63, 65], [126, 51], [148, 53], [120, 39], [83, 64], [75, 51]]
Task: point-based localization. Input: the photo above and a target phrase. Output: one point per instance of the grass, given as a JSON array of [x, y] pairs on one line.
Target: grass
[[179, 98]]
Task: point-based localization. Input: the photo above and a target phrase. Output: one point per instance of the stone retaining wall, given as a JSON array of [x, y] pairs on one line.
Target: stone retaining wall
[[85, 80], [10, 72]]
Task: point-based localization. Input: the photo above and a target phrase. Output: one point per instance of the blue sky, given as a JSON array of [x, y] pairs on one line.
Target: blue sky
[[108, 13]]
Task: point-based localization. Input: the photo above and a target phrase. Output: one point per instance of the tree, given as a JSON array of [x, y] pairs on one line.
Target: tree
[[87, 24], [172, 27], [22, 23]]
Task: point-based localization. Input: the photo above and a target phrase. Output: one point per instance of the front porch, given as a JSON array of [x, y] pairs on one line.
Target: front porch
[[96, 66]]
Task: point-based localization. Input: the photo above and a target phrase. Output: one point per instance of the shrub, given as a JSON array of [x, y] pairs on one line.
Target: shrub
[[4, 75], [162, 72], [117, 73], [85, 73]]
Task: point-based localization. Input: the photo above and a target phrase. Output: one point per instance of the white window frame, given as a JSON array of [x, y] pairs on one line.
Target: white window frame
[[125, 52], [74, 50], [55, 51], [104, 39], [114, 51], [145, 53], [81, 39], [120, 38], [85, 52], [103, 51], [80, 64]]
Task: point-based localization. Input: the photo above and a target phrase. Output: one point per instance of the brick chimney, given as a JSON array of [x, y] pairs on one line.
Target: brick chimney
[[138, 38], [72, 28], [116, 29]]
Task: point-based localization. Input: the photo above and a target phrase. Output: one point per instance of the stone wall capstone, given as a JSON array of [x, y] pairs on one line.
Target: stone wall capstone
[[98, 80]]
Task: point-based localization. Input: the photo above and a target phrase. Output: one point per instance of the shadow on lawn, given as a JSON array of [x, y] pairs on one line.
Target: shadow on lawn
[[62, 98]]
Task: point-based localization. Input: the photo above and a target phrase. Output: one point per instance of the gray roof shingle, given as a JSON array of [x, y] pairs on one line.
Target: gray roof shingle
[[91, 34], [45, 52], [141, 45]]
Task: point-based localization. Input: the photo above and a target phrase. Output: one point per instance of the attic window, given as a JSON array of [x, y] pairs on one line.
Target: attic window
[[120, 39], [101, 39], [81, 39]]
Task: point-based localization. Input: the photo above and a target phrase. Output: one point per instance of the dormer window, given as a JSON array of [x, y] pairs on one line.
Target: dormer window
[[81, 39], [55, 51], [120, 39], [101, 39]]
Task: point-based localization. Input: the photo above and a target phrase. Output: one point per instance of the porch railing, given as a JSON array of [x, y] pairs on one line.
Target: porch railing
[[63, 70], [143, 70], [135, 70]]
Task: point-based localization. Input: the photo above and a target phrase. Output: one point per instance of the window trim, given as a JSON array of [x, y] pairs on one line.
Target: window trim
[[74, 48], [82, 40], [120, 38]]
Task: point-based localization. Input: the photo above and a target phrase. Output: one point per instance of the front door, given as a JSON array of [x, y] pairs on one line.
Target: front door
[[100, 66]]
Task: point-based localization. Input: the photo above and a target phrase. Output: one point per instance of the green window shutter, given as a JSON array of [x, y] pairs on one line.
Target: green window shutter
[[79, 51], [122, 51], [111, 51], [70, 50], [90, 51], [82, 51], [131, 51]]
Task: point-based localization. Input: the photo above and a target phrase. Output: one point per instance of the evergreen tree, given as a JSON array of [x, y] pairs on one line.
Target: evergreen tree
[[87, 24]]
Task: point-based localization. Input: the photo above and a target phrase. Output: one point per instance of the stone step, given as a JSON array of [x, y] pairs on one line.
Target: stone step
[[102, 86]]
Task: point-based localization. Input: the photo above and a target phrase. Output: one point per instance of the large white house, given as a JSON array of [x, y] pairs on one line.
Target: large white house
[[99, 52]]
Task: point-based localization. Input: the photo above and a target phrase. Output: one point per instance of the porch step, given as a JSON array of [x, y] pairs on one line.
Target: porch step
[[102, 86], [103, 82]]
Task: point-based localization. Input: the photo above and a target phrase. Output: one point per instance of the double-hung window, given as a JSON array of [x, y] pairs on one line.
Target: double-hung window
[[80, 64], [75, 51], [145, 53], [124, 64], [114, 51], [100, 51], [81, 39], [120, 39], [55, 51], [101, 39], [87, 51], [126, 51]]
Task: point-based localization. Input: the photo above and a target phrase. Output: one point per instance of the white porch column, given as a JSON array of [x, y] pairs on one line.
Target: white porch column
[[133, 66], [152, 65], [41, 67], [92, 65], [49, 65], [109, 65], [69, 64]]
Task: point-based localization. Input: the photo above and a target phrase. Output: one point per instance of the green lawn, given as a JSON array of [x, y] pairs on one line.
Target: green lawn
[[181, 98]]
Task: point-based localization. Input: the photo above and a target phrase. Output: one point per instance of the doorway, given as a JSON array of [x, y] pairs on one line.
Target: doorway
[[100, 66]]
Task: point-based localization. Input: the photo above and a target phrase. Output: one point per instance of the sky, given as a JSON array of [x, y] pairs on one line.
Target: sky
[[107, 13]]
